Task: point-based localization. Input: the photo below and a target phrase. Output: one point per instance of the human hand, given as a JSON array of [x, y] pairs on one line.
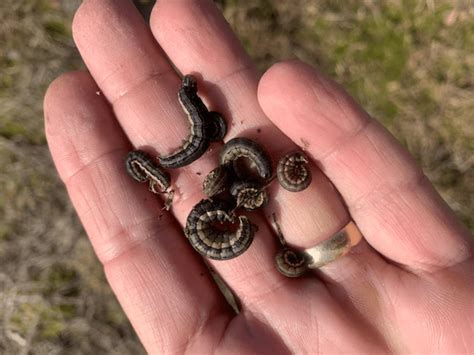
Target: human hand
[[406, 288]]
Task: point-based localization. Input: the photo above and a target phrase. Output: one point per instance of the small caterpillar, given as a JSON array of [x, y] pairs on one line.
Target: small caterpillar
[[141, 167], [241, 147], [207, 229], [293, 172], [205, 127]]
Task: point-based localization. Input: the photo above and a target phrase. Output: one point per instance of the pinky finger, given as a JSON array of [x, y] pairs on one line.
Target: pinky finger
[[164, 288]]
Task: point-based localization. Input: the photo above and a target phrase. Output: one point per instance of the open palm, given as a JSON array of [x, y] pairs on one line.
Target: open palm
[[406, 288]]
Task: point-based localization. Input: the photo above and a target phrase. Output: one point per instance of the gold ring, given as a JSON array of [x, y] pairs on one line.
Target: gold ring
[[336, 246]]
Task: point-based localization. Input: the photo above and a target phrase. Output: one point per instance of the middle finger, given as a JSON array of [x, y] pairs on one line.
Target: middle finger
[[196, 37], [133, 74]]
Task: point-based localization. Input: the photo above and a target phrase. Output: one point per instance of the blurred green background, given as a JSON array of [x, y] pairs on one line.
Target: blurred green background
[[410, 64]]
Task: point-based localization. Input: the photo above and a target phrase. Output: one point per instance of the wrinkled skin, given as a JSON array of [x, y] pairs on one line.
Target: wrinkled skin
[[406, 288]]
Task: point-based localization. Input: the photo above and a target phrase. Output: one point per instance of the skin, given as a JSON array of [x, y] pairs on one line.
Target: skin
[[406, 288]]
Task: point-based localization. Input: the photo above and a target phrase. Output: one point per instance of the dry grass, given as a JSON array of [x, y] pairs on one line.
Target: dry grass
[[410, 63]]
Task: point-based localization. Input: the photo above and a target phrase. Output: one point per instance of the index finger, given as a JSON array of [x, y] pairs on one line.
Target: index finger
[[394, 204]]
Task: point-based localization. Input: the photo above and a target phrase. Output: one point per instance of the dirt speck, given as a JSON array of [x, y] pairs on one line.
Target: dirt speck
[[304, 143]]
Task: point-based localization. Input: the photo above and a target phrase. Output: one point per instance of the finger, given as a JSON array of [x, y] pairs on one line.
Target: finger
[[163, 287], [150, 114], [171, 310], [396, 207], [141, 86], [252, 275], [196, 37], [200, 29]]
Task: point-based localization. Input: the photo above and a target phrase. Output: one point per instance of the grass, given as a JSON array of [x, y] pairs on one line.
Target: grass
[[409, 63]]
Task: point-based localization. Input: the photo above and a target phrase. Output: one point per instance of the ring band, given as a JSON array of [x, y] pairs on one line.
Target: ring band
[[336, 246]]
